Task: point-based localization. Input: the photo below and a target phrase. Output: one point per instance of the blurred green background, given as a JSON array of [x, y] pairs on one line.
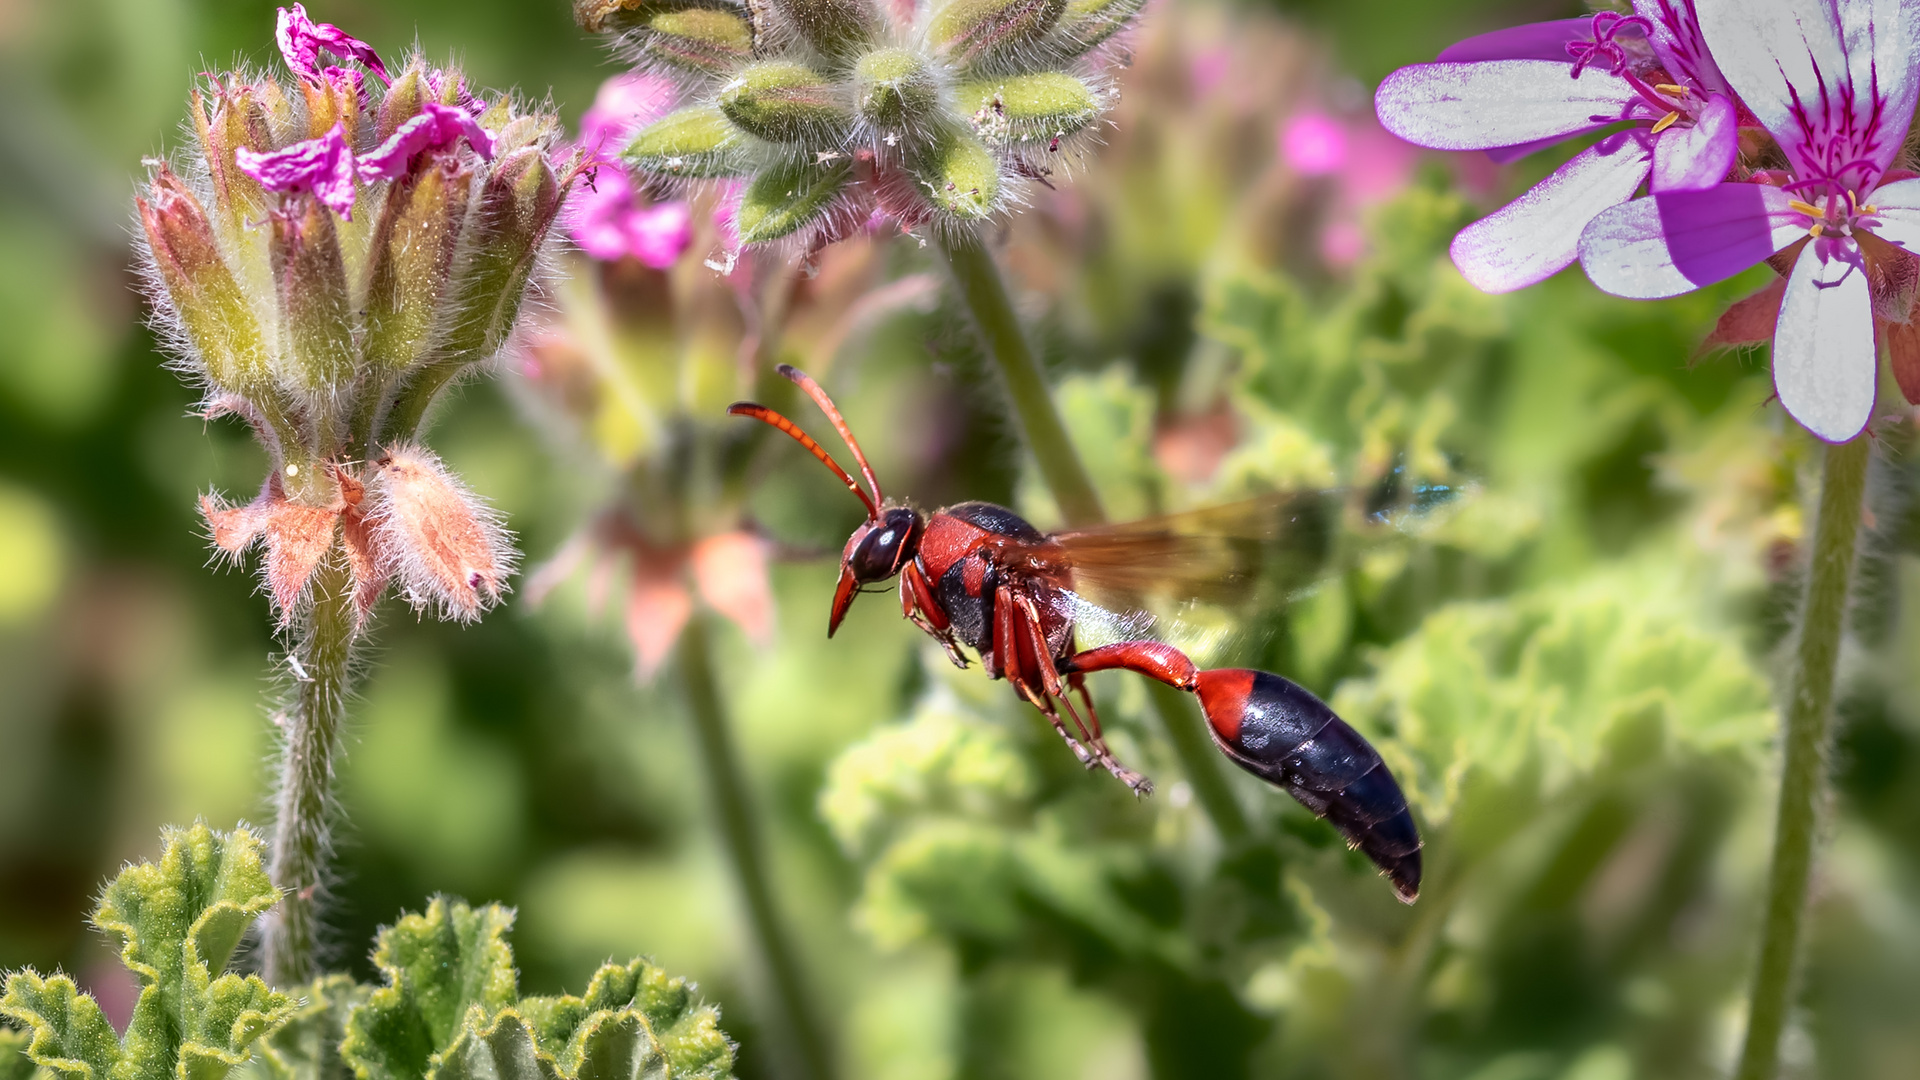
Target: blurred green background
[[1567, 664]]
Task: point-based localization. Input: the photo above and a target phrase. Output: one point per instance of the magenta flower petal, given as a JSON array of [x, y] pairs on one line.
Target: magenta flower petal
[[1833, 81], [434, 127], [1698, 157], [1674, 243], [1498, 103], [1679, 44], [301, 40], [657, 235], [1537, 235], [323, 166], [1898, 220], [1534, 41], [1825, 365], [1501, 155]]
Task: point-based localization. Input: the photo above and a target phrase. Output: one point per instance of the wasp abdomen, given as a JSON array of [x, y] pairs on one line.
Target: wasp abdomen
[[1280, 732]]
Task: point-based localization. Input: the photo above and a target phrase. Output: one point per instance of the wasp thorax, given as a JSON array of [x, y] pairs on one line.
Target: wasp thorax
[[831, 109]]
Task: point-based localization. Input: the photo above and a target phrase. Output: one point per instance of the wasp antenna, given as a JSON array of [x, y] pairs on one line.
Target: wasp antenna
[[805, 382], [774, 419]]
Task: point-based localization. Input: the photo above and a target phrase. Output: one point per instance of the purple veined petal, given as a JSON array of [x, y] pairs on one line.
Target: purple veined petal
[[1678, 43], [1833, 81], [435, 126], [323, 166], [1534, 41], [1497, 103], [1536, 235], [1825, 365], [1676, 242], [1898, 217], [1698, 157]]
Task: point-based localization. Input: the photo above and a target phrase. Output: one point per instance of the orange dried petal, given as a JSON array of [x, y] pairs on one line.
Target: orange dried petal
[[446, 546], [731, 572]]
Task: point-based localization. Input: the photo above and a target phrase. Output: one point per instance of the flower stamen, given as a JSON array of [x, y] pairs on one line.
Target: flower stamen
[[1666, 122]]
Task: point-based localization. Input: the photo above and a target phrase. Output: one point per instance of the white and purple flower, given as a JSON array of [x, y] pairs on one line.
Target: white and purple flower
[[1834, 82], [1515, 91]]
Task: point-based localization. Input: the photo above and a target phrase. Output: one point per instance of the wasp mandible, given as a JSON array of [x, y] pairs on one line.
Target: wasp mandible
[[978, 575]]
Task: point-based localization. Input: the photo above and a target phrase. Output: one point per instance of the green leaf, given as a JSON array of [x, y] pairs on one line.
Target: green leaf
[[786, 198], [307, 1047], [631, 1014], [14, 1062], [70, 1035], [501, 1050], [438, 966]]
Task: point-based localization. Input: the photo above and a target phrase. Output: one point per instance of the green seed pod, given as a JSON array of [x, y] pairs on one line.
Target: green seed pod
[[413, 250], [782, 101], [218, 320], [517, 207], [962, 177], [894, 91], [786, 198], [237, 119], [975, 33], [708, 40], [1023, 108], [838, 28], [316, 312], [1088, 23], [697, 142], [401, 101]]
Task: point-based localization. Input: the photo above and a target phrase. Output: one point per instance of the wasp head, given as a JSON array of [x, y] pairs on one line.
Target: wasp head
[[877, 551]]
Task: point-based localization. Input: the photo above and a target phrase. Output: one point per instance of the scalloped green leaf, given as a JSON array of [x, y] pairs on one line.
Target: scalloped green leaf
[[307, 1046], [592, 1036], [438, 966], [14, 1062], [69, 1033], [504, 1049]]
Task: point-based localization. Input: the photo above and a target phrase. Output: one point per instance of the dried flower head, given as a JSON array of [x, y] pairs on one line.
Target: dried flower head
[[333, 249], [831, 110]]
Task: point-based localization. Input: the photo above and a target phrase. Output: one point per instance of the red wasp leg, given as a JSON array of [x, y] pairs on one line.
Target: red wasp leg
[[1154, 659], [1138, 782], [917, 604], [1040, 656], [1006, 653]]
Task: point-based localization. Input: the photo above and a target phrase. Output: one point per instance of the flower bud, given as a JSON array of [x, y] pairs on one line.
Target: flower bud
[[517, 206], [315, 309], [403, 99], [962, 177], [837, 28], [980, 32], [783, 199], [710, 41], [220, 324], [444, 545], [894, 91], [697, 142], [786, 102], [1043, 106], [413, 251], [1087, 23], [237, 121]]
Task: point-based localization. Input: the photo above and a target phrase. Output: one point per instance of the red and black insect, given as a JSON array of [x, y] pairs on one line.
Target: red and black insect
[[978, 575]]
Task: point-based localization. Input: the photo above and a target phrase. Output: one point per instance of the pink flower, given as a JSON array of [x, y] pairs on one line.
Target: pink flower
[[435, 127], [1314, 144], [1835, 84], [624, 105], [301, 40], [609, 219], [1516, 91], [323, 166]]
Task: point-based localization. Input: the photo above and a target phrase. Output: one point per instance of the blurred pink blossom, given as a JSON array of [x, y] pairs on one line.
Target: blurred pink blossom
[[608, 218], [1364, 165], [1314, 144]]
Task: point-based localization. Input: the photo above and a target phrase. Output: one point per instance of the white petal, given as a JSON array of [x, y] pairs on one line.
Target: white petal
[[1833, 80], [1674, 243], [1494, 103], [1536, 235], [1899, 217], [1825, 365]]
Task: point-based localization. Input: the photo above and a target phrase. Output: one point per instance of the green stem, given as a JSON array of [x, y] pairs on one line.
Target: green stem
[[310, 737], [1822, 625], [985, 294], [727, 789]]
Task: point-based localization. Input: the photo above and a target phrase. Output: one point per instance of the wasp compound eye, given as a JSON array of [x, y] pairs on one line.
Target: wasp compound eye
[[880, 554]]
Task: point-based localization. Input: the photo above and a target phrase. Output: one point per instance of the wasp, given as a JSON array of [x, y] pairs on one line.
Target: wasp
[[978, 576]]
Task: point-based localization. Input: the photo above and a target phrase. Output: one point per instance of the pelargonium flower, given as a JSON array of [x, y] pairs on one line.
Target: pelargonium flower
[[1518, 90], [333, 336], [1835, 85], [610, 219]]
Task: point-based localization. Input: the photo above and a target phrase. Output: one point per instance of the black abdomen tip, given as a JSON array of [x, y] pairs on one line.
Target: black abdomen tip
[[1280, 732]]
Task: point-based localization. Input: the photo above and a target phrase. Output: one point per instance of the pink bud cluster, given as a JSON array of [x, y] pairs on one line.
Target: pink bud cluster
[[335, 251]]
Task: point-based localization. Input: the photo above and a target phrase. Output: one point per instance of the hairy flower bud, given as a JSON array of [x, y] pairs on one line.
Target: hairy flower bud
[[984, 32], [413, 251], [837, 28], [1044, 106], [962, 177], [1086, 24], [784, 102], [779, 202], [699, 39], [894, 90], [444, 545], [221, 328], [311, 276], [697, 142], [516, 209]]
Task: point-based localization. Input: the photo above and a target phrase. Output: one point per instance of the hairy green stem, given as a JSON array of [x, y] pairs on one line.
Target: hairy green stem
[[310, 737], [985, 294], [1803, 775], [740, 834]]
